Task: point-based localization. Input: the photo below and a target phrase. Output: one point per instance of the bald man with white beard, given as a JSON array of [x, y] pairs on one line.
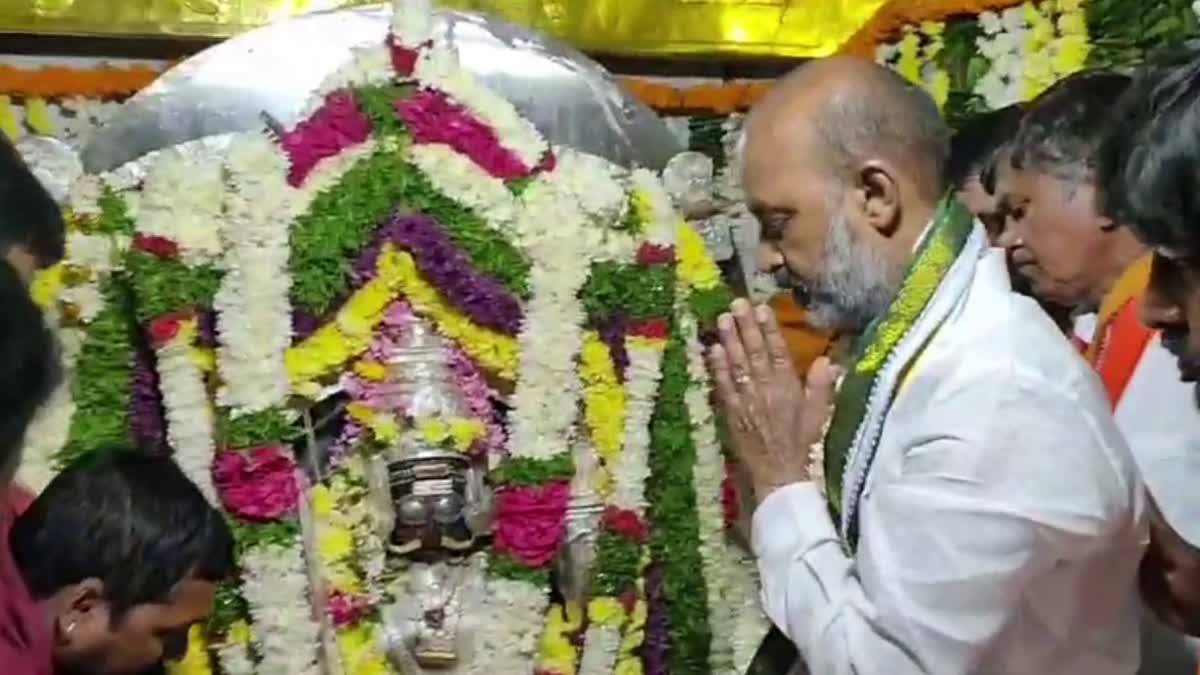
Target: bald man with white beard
[[957, 500]]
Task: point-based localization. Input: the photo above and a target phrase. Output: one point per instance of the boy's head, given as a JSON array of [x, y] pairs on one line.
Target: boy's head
[[125, 554], [29, 367], [32, 232]]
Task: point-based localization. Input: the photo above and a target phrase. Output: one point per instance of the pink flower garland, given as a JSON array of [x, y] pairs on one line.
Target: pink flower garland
[[531, 521], [431, 117], [338, 124], [258, 484]]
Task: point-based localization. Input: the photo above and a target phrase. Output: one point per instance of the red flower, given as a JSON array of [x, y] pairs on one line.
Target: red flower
[[653, 254], [404, 60], [164, 328], [549, 161], [154, 244], [731, 503], [626, 523], [629, 601], [654, 329], [258, 484], [531, 521]]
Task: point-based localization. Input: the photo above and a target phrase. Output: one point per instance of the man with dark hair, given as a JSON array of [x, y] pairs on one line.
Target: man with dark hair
[[32, 232], [122, 554], [1075, 254], [970, 506], [974, 150], [29, 368], [1148, 173]]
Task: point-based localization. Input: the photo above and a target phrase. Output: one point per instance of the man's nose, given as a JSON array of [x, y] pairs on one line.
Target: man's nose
[[768, 258]]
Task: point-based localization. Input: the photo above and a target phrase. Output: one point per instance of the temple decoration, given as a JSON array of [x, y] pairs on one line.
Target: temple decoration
[[651, 27], [444, 376]]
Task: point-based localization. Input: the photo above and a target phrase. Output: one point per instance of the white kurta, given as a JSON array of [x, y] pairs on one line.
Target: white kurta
[[1001, 524]]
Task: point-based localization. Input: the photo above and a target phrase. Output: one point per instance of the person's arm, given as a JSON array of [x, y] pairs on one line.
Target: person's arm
[[948, 548]]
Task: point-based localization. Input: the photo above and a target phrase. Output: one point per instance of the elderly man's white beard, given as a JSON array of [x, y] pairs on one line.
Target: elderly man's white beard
[[855, 287]]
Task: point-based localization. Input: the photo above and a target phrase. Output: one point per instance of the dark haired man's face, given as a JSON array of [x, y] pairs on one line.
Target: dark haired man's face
[[90, 643], [1052, 232], [1172, 306]]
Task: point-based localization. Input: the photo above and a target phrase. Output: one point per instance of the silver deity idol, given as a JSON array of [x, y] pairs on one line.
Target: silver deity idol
[[438, 499]]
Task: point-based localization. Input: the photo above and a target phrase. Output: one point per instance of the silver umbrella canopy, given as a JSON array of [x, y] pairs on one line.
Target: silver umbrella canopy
[[273, 70]]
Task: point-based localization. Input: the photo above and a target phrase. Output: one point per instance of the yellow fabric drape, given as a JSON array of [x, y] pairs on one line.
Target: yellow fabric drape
[[807, 28]]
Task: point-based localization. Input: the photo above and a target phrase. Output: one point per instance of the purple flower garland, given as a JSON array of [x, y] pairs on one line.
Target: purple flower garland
[[482, 299], [656, 646], [147, 421]]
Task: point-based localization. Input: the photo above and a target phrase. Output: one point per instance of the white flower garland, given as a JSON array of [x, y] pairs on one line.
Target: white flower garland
[[252, 304], [275, 585], [48, 432], [188, 412], [412, 22], [745, 605], [462, 180], [602, 646], [547, 390], [371, 64], [708, 475], [632, 467], [181, 200], [234, 659], [663, 216], [599, 188], [438, 68]]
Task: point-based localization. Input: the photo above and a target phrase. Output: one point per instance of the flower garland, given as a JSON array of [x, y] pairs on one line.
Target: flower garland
[[185, 398], [252, 306], [438, 69], [915, 58], [94, 297], [261, 487]]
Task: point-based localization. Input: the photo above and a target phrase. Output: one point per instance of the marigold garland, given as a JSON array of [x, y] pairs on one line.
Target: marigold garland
[[60, 81]]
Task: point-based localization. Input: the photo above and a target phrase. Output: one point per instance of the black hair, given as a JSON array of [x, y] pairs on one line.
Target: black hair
[[890, 116], [30, 368], [132, 520], [1149, 164], [974, 146], [1063, 128], [29, 216]]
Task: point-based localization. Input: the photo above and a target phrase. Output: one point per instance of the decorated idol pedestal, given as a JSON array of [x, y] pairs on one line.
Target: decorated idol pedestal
[[444, 376]]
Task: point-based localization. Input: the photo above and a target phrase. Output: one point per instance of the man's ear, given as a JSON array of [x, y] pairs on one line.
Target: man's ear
[[879, 197], [83, 614]]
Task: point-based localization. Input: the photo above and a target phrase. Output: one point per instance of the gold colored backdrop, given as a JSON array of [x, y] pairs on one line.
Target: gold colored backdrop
[[793, 28]]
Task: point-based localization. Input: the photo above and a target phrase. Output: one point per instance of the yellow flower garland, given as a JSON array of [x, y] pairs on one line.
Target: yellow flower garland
[[350, 333], [195, 661], [695, 268], [558, 653], [46, 285], [357, 645], [604, 404]]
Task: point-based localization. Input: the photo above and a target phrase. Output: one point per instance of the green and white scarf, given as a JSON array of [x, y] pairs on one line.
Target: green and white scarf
[[939, 273]]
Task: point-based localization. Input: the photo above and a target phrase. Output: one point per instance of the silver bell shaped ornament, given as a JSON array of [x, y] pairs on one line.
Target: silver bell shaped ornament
[[433, 496]]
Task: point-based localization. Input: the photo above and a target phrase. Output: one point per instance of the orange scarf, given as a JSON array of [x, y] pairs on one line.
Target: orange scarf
[[1120, 338]]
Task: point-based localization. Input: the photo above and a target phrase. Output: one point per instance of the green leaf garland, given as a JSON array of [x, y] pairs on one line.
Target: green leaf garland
[[166, 285], [526, 471], [507, 567], [674, 525], [262, 428], [618, 562], [640, 292], [343, 218], [101, 386]]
